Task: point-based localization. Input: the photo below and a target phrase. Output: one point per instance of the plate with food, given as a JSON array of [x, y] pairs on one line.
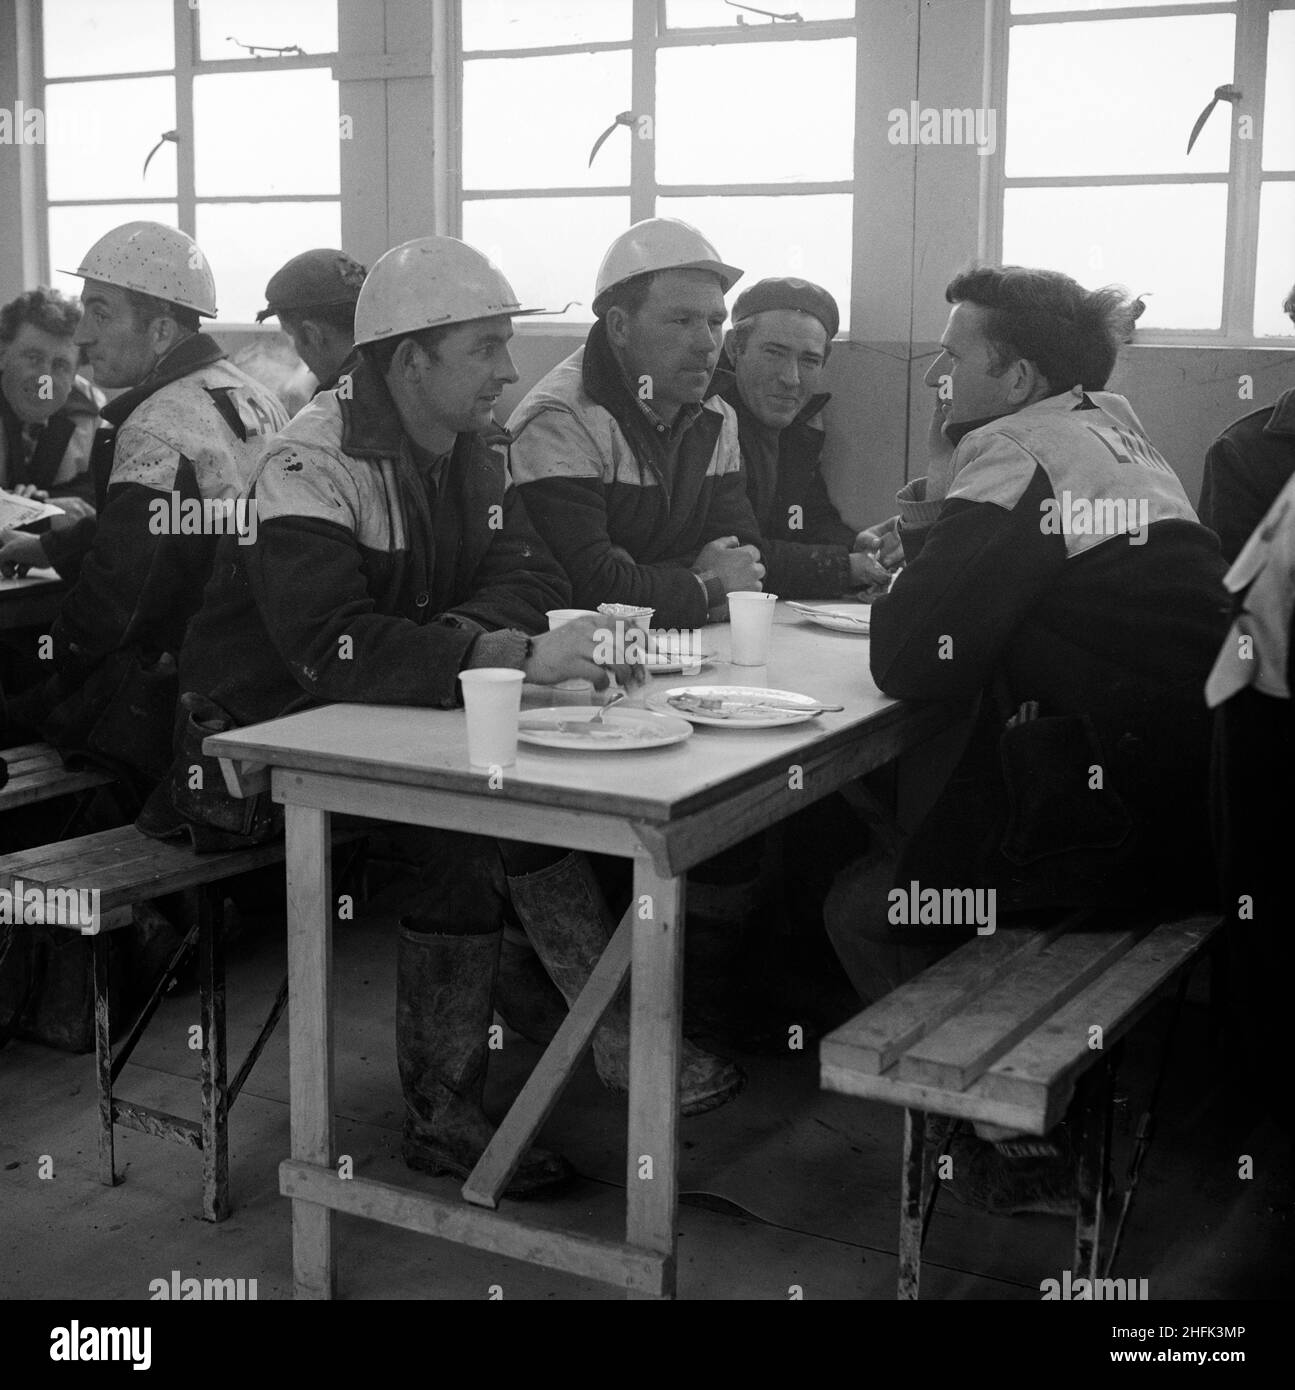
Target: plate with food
[[738, 706], [853, 617], [619, 730]]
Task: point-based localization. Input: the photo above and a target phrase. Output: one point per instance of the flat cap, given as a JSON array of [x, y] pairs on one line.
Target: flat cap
[[787, 292], [313, 280]]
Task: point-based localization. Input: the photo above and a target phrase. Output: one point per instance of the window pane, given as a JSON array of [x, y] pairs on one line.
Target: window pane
[[549, 248], [307, 24], [87, 36], [1279, 102], [808, 236], [808, 133], [531, 122], [98, 135], [73, 231], [246, 243], [266, 132], [1164, 240], [715, 14], [524, 24], [1055, 6], [1117, 97], [1275, 273]]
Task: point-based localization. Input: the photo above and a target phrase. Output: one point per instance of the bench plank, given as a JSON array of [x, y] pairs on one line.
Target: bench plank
[[874, 1040], [1052, 1056], [36, 773], [963, 1048]]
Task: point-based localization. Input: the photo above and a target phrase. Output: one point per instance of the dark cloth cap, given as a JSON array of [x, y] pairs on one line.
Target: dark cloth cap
[[312, 280], [786, 292]]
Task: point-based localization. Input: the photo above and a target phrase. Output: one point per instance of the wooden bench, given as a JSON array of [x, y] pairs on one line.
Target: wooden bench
[[36, 773], [120, 868], [1006, 1030]]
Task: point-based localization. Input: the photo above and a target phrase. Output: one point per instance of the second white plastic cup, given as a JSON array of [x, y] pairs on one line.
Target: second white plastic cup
[[750, 627], [492, 701]]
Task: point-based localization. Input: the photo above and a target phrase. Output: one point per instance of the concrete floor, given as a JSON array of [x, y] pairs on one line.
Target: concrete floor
[[787, 1186]]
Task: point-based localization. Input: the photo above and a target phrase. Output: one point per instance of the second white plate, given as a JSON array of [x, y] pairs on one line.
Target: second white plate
[[621, 731], [855, 618], [742, 706]]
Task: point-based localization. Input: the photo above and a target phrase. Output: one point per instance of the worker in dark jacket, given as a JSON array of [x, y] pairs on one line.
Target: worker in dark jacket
[[48, 414], [391, 556], [1247, 466], [777, 349], [1057, 572], [628, 459], [180, 450]]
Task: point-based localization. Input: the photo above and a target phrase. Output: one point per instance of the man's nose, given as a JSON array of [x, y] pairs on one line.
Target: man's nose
[[82, 336], [937, 369], [506, 368]]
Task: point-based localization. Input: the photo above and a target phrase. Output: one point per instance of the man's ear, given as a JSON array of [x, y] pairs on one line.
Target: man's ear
[[1027, 384], [616, 321]]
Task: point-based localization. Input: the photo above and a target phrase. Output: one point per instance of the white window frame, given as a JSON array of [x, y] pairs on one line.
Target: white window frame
[[188, 66], [648, 37], [1244, 177]]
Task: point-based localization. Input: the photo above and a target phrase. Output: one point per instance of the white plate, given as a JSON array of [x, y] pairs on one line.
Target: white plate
[[672, 653], [622, 731], [856, 618], [736, 696]]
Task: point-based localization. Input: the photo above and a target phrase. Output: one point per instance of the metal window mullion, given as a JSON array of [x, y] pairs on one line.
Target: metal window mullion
[[1241, 246], [1110, 180], [1132, 12], [993, 182], [186, 40], [37, 227], [643, 104]]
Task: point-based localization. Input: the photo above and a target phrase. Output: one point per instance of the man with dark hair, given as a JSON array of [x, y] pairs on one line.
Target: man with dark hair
[[182, 441], [777, 349], [314, 296], [627, 458], [48, 413], [1056, 572], [1248, 465], [392, 555]]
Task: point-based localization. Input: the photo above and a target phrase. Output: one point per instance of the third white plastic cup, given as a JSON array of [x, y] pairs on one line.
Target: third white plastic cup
[[492, 700], [750, 626]]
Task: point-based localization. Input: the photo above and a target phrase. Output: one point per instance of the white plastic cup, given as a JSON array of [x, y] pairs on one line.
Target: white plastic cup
[[559, 617], [750, 627], [640, 618], [492, 701]]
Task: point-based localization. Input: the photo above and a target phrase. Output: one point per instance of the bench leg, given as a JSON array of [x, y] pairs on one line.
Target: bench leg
[[1095, 1108], [103, 1059], [911, 1204], [215, 1101]]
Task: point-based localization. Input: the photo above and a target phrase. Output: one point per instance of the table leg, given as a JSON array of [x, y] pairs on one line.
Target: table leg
[[310, 979], [215, 1104], [1095, 1106], [103, 1058], [911, 1213], [656, 1004]]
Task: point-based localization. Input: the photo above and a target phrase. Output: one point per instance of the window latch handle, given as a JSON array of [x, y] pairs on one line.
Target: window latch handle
[[1227, 92]]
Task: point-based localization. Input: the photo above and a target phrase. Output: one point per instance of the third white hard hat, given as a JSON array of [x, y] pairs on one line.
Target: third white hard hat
[[155, 259], [658, 243], [429, 282]]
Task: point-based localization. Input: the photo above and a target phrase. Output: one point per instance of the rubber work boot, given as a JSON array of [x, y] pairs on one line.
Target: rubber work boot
[[565, 917], [443, 989], [525, 997]]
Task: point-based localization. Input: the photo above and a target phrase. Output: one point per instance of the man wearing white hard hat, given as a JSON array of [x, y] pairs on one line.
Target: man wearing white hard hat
[[183, 436], [391, 555], [627, 458]]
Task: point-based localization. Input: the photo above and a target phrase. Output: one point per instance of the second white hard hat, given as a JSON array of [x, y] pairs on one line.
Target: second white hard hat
[[429, 282], [155, 259], [658, 243]]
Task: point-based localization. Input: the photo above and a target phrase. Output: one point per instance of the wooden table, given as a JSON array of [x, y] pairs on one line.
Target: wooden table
[[31, 600], [666, 810]]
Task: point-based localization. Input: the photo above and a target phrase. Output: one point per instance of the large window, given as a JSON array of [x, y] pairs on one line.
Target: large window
[[735, 121], [233, 106], [1101, 98]]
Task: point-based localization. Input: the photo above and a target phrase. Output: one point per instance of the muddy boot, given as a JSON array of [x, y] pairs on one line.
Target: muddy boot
[[566, 920], [525, 998], [443, 989]]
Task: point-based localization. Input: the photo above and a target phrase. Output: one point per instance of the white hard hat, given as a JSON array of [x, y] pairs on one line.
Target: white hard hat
[[658, 243], [430, 282], [153, 259]]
